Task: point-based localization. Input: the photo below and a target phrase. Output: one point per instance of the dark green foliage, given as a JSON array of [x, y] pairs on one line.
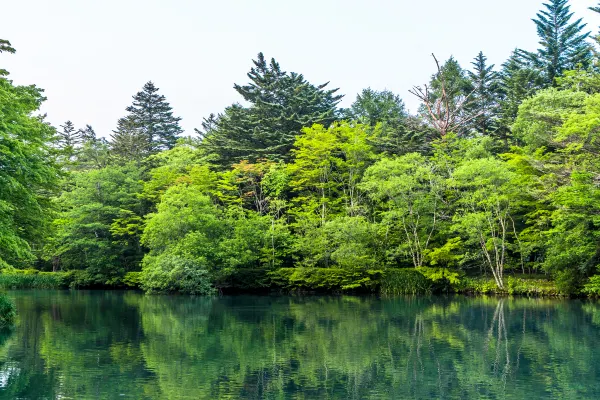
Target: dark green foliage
[[8, 311], [149, 127], [518, 81], [395, 131], [281, 104], [485, 96], [404, 281], [498, 174], [128, 143], [563, 44]]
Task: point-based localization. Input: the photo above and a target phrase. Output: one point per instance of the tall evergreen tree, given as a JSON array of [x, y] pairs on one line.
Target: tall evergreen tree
[[153, 118], [563, 42], [69, 137], [128, 141], [484, 104], [281, 104]]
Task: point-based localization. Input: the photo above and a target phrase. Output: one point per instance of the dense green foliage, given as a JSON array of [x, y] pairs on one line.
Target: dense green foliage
[[496, 175]]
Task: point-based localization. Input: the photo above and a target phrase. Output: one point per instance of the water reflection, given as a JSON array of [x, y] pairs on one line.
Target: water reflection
[[125, 345]]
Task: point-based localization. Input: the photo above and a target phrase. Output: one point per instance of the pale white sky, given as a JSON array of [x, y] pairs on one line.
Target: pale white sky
[[91, 56]]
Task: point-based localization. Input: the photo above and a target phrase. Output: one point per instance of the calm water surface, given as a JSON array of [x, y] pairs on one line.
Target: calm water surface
[[114, 345]]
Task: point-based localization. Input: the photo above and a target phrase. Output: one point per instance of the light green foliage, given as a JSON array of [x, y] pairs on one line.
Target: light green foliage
[[28, 174], [489, 196], [8, 311], [408, 190], [542, 115]]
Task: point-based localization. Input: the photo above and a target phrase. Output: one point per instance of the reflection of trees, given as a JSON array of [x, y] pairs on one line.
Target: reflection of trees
[[87, 345]]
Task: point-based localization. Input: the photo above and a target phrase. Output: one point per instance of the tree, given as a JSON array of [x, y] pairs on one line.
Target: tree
[[28, 173], [128, 143], [69, 140], [446, 100], [151, 118], [99, 224], [563, 44], [5, 47], [489, 195], [485, 96], [395, 132], [518, 81], [407, 192], [281, 104]]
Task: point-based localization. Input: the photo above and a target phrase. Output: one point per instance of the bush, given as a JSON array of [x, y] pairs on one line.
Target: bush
[[8, 311], [404, 281], [325, 279], [133, 279], [592, 288], [170, 273]]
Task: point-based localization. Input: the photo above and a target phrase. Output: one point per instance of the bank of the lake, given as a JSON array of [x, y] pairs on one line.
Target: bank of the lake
[[316, 281], [123, 344]]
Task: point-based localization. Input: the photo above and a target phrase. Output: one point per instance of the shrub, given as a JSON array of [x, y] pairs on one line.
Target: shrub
[[592, 288], [404, 281], [170, 273], [8, 311], [324, 279]]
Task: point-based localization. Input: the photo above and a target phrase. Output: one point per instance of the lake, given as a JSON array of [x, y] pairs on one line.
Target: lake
[[115, 345]]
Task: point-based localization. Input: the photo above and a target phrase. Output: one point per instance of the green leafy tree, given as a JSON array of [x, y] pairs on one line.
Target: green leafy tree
[[28, 173], [99, 225], [489, 196], [408, 194]]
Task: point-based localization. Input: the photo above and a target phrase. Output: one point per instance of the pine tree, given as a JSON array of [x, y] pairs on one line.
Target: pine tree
[[281, 104], [87, 134], [153, 118], [563, 43], [484, 105], [69, 141], [128, 141]]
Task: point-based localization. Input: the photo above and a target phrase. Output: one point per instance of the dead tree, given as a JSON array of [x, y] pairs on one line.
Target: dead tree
[[445, 114]]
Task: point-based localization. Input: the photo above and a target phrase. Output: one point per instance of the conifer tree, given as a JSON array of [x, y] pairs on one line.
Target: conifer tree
[[281, 104], [69, 141], [153, 118], [484, 103], [563, 42], [128, 141]]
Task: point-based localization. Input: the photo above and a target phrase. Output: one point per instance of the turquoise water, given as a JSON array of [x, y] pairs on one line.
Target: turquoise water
[[115, 345]]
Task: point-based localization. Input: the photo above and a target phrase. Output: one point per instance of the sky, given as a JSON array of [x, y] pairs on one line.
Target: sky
[[91, 56]]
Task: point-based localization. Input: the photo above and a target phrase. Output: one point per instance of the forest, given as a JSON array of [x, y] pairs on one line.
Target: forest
[[493, 185]]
